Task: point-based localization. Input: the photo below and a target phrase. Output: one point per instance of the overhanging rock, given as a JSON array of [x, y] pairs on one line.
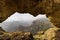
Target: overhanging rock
[[49, 7]]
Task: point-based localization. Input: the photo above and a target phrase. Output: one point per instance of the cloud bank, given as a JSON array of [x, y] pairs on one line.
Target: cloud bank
[[17, 19]]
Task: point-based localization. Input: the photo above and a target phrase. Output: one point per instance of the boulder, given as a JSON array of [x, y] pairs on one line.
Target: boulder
[[1, 31], [52, 34], [17, 36]]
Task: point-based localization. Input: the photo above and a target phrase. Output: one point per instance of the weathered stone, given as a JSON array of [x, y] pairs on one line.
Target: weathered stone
[[52, 34], [49, 7], [52, 10], [1, 31], [17, 36]]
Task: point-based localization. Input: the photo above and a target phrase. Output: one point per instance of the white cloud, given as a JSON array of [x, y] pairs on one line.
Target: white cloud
[[17, 19], [40, 16]]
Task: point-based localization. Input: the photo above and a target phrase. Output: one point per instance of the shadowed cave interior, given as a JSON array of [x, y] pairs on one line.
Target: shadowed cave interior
[[49, 7]]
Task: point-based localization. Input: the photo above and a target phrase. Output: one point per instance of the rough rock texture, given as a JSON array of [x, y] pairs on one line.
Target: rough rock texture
[[52, 10], [39, 36], [1, 31], [17, 36], [52, 34], [49, 7], [9, 7]]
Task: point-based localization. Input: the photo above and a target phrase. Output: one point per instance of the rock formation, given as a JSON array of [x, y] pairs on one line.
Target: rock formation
[[52, 34], [17, 36], [9, 7], [49, 7], [1, 31], [52, 11]]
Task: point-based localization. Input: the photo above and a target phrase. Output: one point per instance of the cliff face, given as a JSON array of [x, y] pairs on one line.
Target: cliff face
[[16, 36], [49, 7], [52, 11], [52, 34], [9, 7], [6, 9]]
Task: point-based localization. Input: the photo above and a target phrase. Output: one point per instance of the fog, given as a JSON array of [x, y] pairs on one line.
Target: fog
[[17, 20]]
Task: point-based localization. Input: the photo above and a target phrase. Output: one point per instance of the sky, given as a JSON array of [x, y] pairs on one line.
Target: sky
[[17, 19]]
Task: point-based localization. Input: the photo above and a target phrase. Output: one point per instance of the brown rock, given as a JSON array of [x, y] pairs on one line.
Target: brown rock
[[1, 31], [52, 10], [23, 36], [17, 36], [49, 7], [52, 34], [23, 6]]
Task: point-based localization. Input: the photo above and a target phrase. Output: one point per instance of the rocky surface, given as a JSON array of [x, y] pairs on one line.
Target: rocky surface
[[9, 7], [52, 11], [52, 34], [49, 7], [17, 36], [40, 36], [1, 31]]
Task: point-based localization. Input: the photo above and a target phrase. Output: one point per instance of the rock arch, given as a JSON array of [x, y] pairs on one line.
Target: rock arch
[[49, 7]]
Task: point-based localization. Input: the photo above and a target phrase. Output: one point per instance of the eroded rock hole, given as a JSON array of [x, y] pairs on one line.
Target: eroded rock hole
[[26, 22]]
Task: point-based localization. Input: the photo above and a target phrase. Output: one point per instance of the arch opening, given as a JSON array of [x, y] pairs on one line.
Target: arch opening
[[26, 21]]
